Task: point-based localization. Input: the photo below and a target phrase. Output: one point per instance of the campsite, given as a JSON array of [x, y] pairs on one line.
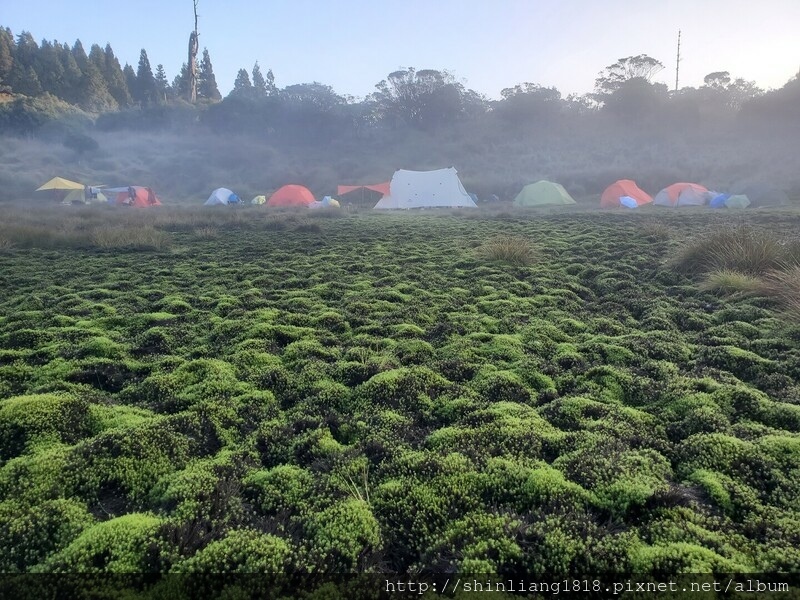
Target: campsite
[[261, 338]]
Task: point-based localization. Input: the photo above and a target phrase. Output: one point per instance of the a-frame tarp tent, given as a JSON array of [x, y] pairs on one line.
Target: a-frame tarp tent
[[440, 188], [362, 196]]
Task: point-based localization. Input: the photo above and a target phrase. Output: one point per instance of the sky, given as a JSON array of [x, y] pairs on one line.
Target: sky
[[488, 45]]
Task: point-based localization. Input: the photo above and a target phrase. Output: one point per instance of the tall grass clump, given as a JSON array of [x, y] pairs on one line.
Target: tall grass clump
[[509, 249], [783, 286], [728, 282], [742, 249]]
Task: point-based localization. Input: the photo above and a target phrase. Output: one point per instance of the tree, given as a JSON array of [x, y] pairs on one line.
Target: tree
[[259, 83], [718, 80], [161, 84], [529, 103], [207, 82], [180, 85], [270, 86], [52, 71], [115, 78], [130, 80], [145, 92], [242, 86], [192, 62], [425, 98], [6, 54], [625, 69]]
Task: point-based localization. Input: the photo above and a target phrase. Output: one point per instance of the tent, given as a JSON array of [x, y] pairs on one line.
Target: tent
[[440, 188], [683, 194], [737, 201], [291, 195], [222, 197], [762, 195], [59, 183], [364, 196], [259, 200], [543, 193], [79, 196], [136, 196], [613, 194]]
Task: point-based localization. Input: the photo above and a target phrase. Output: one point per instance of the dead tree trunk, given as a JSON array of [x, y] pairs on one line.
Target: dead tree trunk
[[192, 64]]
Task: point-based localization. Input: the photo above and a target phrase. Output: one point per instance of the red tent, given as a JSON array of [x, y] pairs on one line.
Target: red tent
[[620, 188], [138, 197], [291, 195]]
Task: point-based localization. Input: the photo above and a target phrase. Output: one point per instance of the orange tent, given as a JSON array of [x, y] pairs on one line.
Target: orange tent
[[291, 195], [138, 197], [621, 188]]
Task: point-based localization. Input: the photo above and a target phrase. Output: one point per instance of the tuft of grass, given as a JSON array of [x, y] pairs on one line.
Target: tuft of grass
[[783, 286], [743, 249], [141, 238], [728, 282], [510, 249], [206, 233], [657, 231]]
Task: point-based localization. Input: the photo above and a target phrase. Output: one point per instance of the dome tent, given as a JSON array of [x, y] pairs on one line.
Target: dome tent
[[624, 188], [291, 195], [222, 196], [683, 194], [543, 193], [136, 196], [260, 199]]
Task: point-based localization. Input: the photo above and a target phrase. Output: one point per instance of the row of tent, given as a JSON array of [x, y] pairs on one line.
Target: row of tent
[[73, 192], [288, 195], [441, 188], [624, 193]]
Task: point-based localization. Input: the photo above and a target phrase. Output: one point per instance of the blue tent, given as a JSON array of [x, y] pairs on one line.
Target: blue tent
[[718, 201]]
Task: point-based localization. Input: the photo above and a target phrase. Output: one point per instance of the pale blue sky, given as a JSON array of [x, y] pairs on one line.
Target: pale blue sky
[[487, 44]]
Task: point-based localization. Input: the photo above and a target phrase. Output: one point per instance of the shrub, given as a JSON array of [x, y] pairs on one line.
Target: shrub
[[510, 249], [29, 534], [344, 535], [241, 551], [27, 420], [120, 545], [743, 249]]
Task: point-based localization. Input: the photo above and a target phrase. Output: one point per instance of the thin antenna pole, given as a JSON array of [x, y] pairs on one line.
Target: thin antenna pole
[[678, 61]]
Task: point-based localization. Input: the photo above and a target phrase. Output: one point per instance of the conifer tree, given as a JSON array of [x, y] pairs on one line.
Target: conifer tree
[[51, 73], [242, 85], [161, 84], [6, 54], [115, 79], [272, 89], [145, 82], [207, 82], [130, 80], [180, 85], [259, 83]]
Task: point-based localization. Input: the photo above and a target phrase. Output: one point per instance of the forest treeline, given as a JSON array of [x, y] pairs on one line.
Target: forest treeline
[[51, 80]]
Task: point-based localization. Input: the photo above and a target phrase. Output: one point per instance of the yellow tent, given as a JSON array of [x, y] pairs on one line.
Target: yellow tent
[[79, 196], [259, 200], [59, 183]]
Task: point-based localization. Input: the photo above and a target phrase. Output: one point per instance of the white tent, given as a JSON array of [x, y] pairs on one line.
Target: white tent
[[222, 196], [426, 189]]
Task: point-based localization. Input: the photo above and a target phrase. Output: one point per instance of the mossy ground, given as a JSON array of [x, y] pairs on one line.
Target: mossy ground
[[376, 393]]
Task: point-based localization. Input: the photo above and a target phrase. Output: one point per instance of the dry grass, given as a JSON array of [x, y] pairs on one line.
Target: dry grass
[[656, 231], [509, 249], [206, 233], [139, 238], [727, 282], [743, 249], [784, 287]]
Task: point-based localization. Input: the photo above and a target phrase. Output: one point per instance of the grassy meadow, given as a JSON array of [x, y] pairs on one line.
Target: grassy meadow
[[556, 393]]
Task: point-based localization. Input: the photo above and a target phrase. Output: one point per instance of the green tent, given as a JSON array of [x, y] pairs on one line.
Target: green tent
[[543, 193], [737, 201]]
